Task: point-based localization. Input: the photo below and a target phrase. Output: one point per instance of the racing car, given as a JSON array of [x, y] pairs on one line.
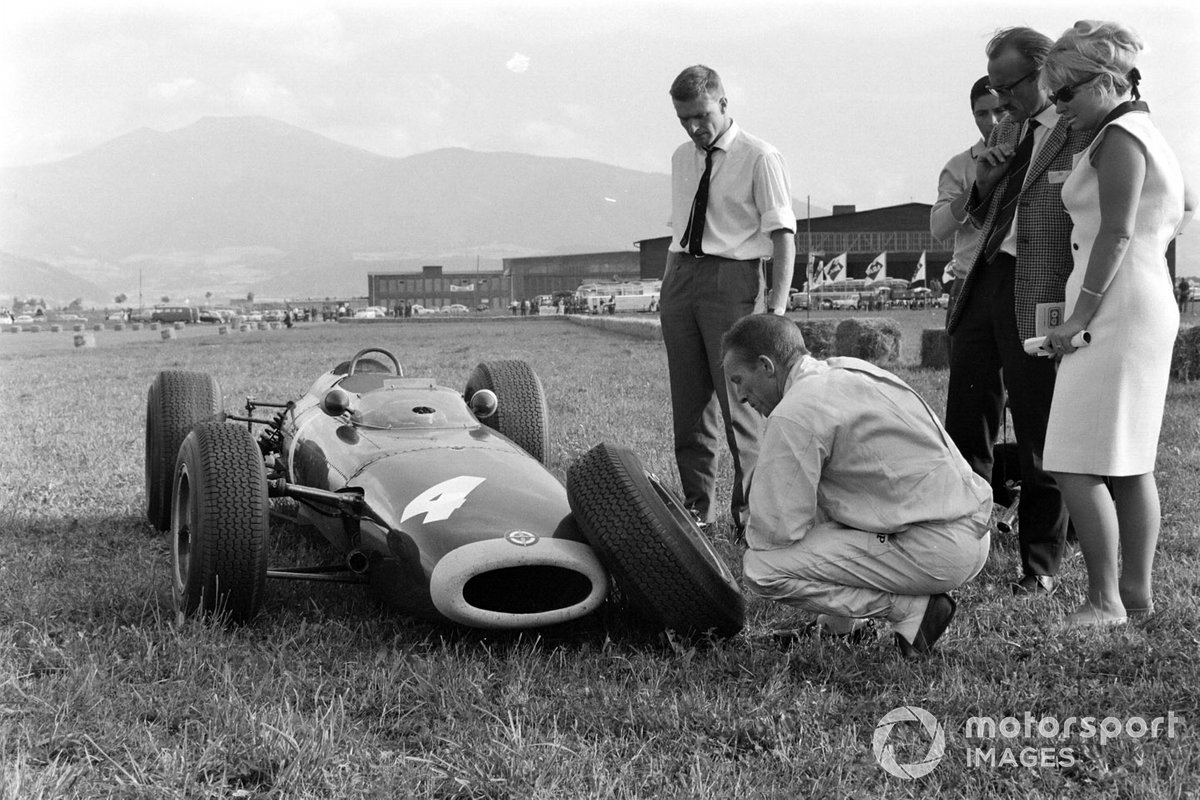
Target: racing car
[[438, 500]]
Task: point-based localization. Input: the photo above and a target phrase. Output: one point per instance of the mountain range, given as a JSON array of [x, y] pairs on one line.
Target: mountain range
[[230, 205]]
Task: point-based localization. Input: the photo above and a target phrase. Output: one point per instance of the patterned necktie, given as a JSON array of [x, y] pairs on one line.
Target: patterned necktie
[[1012, 192], [693, 234]]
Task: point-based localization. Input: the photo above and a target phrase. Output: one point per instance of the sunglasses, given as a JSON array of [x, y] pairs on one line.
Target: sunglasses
[[1008, 87], [1067, 93]]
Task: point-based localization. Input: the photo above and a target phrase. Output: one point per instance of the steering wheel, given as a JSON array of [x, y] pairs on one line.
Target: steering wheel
[[354, 361]]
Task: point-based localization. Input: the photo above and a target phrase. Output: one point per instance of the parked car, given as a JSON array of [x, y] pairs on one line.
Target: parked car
[[798, 301], [457, 308], [210, 315], [169, 314], [23, 319], [844, 303], [438, 500]]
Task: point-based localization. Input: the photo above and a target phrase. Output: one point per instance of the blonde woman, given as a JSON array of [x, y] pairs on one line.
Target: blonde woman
[[1127, 200]]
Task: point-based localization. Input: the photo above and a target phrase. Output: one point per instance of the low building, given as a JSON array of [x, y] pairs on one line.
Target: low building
[[538, 275], [433, 288], [901, 231]]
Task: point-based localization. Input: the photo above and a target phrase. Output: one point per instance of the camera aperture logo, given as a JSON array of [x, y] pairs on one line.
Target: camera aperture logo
[[1027, 741], [885, 753]]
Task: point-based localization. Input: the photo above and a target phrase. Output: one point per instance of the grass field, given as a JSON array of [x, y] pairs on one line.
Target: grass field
[[327, 695]]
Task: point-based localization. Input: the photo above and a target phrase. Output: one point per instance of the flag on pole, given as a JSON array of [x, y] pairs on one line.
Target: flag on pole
[[818, 275], [877, 269], [919, 275], [835, 269]]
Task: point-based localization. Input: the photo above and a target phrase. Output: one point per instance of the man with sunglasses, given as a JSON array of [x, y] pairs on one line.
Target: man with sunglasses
[[1023, 260]]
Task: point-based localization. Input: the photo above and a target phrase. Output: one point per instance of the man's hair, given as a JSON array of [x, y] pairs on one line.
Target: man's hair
[[770, 335], [979, 89], [697, 81], [1029, 43]]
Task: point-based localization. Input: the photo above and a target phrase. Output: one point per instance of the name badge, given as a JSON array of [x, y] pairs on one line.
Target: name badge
[[1057, 175]]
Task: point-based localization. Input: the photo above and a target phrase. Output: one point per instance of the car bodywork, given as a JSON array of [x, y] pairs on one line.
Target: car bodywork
[[437, 499]]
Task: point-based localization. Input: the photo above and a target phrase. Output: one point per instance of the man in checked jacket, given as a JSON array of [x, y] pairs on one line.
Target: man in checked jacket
[[1023, 259]]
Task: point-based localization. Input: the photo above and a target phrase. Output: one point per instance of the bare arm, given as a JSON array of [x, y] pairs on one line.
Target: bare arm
[[1121, 171], [783, 263]]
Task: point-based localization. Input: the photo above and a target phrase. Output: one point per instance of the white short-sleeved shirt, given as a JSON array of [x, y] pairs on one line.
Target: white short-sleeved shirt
[[749, 195]]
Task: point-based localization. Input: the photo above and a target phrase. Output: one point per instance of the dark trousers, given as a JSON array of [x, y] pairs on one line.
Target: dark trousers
[[700, 299], [986, 358]]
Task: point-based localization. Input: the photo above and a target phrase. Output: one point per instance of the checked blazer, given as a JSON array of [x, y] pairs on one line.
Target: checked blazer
[[1044, 259]]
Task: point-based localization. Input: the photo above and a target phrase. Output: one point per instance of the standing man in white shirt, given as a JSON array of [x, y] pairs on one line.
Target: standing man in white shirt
[[949, 218], [862, 507], [731, 207]]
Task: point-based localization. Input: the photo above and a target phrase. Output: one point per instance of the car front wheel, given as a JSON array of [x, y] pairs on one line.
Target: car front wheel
[[219, 524], [650, 543]]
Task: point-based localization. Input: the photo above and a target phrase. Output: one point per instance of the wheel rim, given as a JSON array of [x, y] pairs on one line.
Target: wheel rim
[[182, 520], [688, 523]]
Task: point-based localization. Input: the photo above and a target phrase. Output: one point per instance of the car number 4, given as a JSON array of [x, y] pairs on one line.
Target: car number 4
[[439, 502]]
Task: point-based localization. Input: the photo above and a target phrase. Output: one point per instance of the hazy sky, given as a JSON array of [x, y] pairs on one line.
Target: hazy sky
[[866, 100]]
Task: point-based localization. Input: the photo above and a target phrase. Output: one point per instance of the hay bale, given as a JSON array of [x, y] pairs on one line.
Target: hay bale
[[14, 328], [1185, 358], [874, 339], [56, 328], [85, 340], [243, 327], [179, 326], [153, 326], [167, 334], [98, 326], [77, 327], [264, 326], [120, 326], [136, 326], [223, 330], [35, 329], [935, 348], [819, 335]]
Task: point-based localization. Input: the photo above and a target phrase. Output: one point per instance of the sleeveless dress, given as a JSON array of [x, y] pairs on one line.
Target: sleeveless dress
[[1108, 401]]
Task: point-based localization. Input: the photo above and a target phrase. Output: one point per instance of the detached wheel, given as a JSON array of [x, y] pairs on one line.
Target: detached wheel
[[521, 414], [176, 401], [650, 543], [219, 523]]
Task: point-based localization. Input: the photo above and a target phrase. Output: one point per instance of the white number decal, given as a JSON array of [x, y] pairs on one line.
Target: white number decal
[[439, 502]]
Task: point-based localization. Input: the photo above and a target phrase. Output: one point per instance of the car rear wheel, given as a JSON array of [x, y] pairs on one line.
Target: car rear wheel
[[521, 414], [219, 524], [176, 401], [658, 557]]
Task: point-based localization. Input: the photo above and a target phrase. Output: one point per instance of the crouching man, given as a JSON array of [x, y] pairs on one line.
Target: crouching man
[[860, 507]]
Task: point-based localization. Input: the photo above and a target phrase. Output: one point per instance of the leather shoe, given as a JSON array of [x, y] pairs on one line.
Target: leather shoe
[[1031, 585], [934, 622]]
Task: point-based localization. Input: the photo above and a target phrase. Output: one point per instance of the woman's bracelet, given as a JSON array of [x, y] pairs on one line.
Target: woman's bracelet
[[1086, 290]]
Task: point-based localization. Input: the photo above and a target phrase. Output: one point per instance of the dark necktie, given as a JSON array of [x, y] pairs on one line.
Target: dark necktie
[[1012, 193], [693, 234]]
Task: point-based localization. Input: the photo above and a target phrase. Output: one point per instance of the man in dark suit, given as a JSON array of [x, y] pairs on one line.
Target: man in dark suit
[[1023, 260]]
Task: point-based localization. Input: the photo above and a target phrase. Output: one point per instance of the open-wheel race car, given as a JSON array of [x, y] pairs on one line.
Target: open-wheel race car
[[437, 499]]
